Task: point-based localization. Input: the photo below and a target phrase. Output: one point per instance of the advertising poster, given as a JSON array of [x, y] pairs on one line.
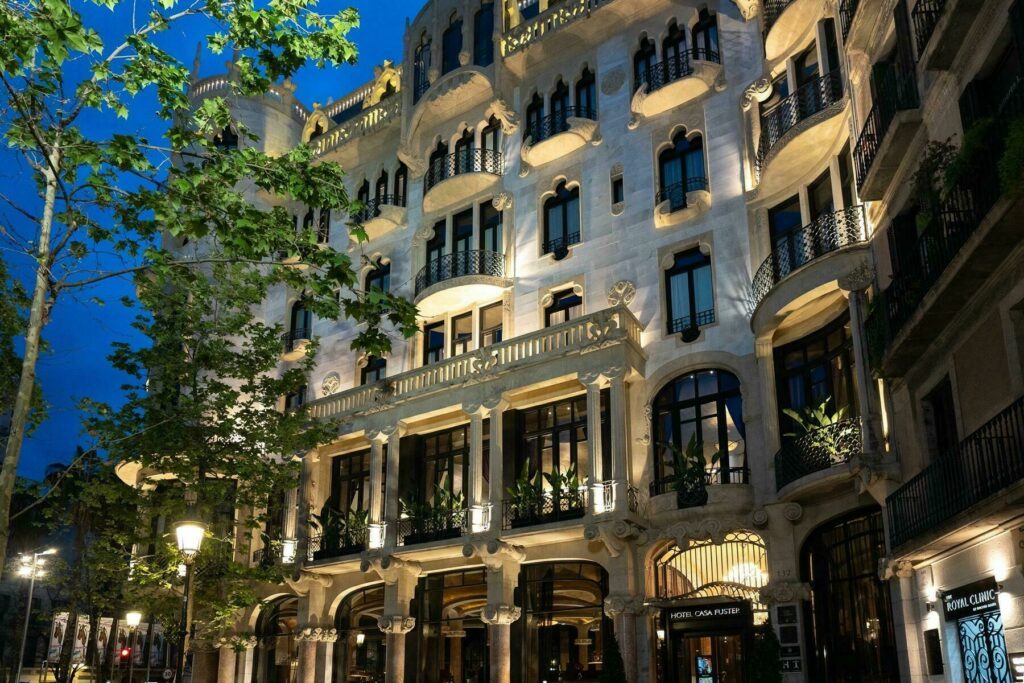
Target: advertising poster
[[60, 627], [158, 646], [81, 642], [139, 646], [103, 637]]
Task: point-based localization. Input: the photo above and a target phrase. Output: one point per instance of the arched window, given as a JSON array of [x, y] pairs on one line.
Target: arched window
[[439, 166], [736, 568], [562, 220], [375, 370], [705, 37], [276, 647], [490, 140], [363, 193], [702, 411], [586, 95], [535, 117], [401, 184], [673, 48], [643, 62], [690, 298], [379, 277], [361, 651], [421, 68], [681, 170], [850, 637], [226, 140], [483, 34], [380, 191], [560, 111], [464, 153], [318, 130], [451, 44], [301, 321]]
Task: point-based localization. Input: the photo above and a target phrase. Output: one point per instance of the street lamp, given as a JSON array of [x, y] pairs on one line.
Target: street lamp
[[189, 534], [31, 567], [133, 619]]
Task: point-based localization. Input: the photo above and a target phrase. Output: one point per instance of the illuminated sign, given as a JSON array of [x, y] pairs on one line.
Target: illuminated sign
[[974, 598]]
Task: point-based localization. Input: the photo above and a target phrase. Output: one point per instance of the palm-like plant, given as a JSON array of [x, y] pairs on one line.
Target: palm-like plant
[[690, 471], [820, 429]]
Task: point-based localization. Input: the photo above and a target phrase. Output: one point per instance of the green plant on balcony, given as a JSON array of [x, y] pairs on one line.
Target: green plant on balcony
[[690, 472], [436, 517], [526, 495], [329, 525], [565, 489], [930, 183], [820, 430]]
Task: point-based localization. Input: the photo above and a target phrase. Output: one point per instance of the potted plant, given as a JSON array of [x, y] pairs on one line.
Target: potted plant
[[440, 518], [689, 472], [330, 524], [566, 498], [526, 497], [824, 432]]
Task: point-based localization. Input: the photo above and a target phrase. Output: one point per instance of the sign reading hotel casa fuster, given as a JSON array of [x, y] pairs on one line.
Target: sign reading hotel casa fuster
[[974, 598]]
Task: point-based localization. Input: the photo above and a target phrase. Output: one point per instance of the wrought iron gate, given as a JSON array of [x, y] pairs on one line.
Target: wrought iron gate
[[983, 649]]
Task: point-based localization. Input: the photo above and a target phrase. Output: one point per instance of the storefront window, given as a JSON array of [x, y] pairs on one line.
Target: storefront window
[[359, 654], [276, 655], [452, 639]]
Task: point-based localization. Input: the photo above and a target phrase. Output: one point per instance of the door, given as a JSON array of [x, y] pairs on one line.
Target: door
[[708, 658]]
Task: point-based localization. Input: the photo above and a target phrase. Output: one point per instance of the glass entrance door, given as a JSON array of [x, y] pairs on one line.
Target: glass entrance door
[[711, 658]]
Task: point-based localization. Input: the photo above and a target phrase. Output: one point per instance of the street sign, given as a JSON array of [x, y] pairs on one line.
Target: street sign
[[168, 674]]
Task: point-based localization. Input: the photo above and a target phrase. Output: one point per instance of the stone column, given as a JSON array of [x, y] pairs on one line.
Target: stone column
[[246, 656], [907, 603], [400, 579], [502, 561], [618, 415], [307, 658], [769, 404], [325, 654], [867, 396], [308, 497], [476, 413], [482, 506], [496, 487], [391, 504], [623, 609], [377, 439], [594, 382], [383, 513], [227, 658]]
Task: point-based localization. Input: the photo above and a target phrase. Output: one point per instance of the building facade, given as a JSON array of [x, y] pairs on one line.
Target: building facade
[[697, 352]]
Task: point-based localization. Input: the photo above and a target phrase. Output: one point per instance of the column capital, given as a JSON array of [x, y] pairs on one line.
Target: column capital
[[236, 641], [591, 378], [495, 554], [614, 605], [382, 434], [895, 569], [859, 278], [397, 624], [614, 372], [316, 634], [485, 407], [500, 615], [779, 592], [391, 569]]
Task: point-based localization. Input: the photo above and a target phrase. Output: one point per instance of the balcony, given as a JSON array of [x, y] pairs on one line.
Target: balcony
[[369, 121], [518, 38], [559, 246], [294, 343], [889, 128], [544, 508], [721, 492], [823, 452], [431, 526], [278, 553], [785, 23], [799, 131], [458, 279], [806, 265], [674, 81], [559, 134], [456, 177], [381, 215], [334, 544], [612, 335], [681, 202], [940, 28], [929, 507]]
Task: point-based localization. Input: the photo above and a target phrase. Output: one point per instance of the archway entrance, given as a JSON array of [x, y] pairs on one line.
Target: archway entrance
[[276, 653], [709, 597]]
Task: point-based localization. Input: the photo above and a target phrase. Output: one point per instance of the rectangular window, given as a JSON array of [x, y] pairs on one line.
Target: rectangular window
[[375, 370], [490, 229], [819, 194], [940, 420], [618, 190], [350, 482], [846, 177], [445, 462], [565, 306], [462, 333], [490, 324], [295, 399], [691, 302], [433, 343], [553, 437]]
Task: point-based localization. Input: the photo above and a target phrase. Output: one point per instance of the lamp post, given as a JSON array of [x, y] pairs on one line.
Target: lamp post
[[189, 534], [133, 619], [30, 567]]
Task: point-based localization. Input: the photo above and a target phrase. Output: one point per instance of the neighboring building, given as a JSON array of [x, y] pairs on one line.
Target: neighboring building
[[626, 223]]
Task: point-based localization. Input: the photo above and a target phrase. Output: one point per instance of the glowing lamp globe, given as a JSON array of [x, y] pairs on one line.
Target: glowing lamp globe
[[133, 619], [189, 534]]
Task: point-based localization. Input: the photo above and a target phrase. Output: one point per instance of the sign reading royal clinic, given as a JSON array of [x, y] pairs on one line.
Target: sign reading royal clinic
[[974, 598]]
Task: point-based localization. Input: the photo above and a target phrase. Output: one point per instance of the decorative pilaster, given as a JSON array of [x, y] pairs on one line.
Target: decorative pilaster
[[594, 382], [383, 508], [400, 577], [226, 663], [870, 415], [503, 561], [766, 365], [618, 416], [623, 611]]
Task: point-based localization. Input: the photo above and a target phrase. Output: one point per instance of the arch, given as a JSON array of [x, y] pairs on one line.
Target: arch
[[682, 168], [421, 67], [562, 219], [316, 125], [734, 568], [483, 34], [277, 624], [360, 651], [300, 319], [451, 44], [644, 60]]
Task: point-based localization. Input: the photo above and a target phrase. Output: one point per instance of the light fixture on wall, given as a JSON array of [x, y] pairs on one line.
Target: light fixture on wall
[[360, 638]]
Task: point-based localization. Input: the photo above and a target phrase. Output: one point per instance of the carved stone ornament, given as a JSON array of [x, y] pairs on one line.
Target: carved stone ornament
[[612, 81], [616, 534], [506, 116], [759, 518], [793, 512], [614, 605], [397, 624], [315, 634], [464, 58], [500, 615], [424, 234], [645, 438], [636, 106], [416, 164], [330, 384], [758, 91], [502, 201], [602, 334], [781, 592], [622, 292], [894, 569], [748, 8], [859, 278]]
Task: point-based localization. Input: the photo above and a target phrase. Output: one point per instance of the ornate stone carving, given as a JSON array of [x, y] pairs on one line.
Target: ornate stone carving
[[616, 534], [614, 605], [397, 624], [748, 8], [500, 615], [602, 334], [622, 292], [424, 234], [793, 512], [707, 529], [330, 384], [416, 164], [758, 91], [858, 279], [645, 438], [506, 116], [315, 634], [385, 76], [464, 58], [636, 106], [612, 81], [495, 553], [894, 569], [780, 592], [759, 518], [502, 201], [391, 569]]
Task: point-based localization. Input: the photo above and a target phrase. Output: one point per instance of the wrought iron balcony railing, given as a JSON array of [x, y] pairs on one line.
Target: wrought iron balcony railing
[[437, 525], [816, 450], [276, 553], [926, 15], [695, 494], [467, 161], [557, 122], [675, 193], [847, 11], [544, 508], [371, 208], [688, 322], [984, 463], [809, 99], [677, 67], [773, 10], [290, 339], [829, 232], [894, 92], [559, 246], [337, 543], [460, 264]]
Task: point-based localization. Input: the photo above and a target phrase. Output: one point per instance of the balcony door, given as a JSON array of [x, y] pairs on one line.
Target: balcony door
[[462, 243], [784, 226]]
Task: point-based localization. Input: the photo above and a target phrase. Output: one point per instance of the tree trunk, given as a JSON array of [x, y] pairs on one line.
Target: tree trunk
[[36, 321]]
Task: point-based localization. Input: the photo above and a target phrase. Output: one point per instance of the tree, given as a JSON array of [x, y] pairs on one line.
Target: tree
[[613, 670], [97, 191], [765, 660]]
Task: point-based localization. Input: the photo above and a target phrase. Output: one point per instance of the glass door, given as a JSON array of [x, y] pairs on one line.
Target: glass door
[[708, 658]]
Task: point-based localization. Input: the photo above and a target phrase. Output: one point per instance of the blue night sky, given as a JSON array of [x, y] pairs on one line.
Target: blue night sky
[[81, 330]]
